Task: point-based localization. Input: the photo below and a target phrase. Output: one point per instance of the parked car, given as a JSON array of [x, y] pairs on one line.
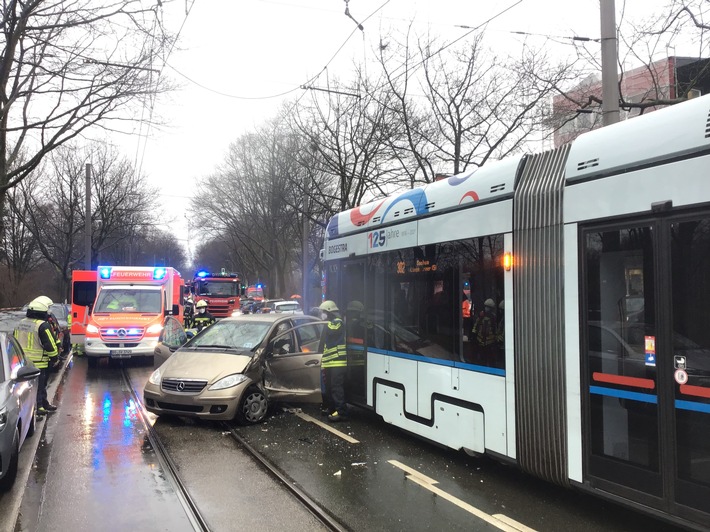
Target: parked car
[[237, 367], [286, 306], [18, 398]]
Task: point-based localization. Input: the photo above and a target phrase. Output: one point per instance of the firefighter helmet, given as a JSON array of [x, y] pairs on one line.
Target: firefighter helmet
[[201, 304], [328, 306], [355, 306], [45, 300], [489, 303], [39, 304]]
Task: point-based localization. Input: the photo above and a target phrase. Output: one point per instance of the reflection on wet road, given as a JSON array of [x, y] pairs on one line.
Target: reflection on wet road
[[97, 466]]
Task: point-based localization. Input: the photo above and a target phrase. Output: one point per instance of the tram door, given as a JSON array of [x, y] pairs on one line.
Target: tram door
[[646, 350], [352, 301]]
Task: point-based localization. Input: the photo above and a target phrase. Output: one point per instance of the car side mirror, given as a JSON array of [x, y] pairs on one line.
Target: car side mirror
[[26, 373]]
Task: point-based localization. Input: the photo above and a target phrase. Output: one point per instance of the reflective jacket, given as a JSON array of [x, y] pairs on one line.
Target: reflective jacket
[[334, 350], [37, 341], [200, 321]]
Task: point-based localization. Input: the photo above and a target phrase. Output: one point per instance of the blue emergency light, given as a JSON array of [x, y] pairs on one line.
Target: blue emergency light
[[202, 274], [159, 273], [105, 273]]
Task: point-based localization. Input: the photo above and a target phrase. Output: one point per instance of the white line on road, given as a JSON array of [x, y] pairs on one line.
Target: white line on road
[[500, 521], [327, 427]]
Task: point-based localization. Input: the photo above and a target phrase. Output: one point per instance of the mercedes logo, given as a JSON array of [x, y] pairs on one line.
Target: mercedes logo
[[121, 333], [180, 386]]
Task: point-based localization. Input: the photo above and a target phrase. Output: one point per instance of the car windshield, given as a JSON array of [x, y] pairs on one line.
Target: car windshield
[[128, 300], [217, 288], [239, 335]]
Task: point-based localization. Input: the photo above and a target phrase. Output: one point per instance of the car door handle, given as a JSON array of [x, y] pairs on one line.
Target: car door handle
[[313, 363]]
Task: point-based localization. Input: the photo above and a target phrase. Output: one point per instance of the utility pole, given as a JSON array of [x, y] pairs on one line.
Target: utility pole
[[87, 220], [304, 253], [610, 76]]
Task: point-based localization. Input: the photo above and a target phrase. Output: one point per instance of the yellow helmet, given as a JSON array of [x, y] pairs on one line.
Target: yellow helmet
[[328, 306], [201, 304], [39, 304]]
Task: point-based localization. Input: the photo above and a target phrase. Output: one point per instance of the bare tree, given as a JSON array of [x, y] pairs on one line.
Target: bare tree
[[66, 66], [19, 253]]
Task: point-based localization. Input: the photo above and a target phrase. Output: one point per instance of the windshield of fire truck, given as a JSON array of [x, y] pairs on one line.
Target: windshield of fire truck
[[217, 288], [129, 300]]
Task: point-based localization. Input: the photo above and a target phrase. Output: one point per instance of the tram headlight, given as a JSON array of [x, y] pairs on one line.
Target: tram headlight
[[229, 381], [155, 377]]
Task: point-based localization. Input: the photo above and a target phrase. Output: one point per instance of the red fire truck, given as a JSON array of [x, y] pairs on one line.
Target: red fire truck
[[220, 290]]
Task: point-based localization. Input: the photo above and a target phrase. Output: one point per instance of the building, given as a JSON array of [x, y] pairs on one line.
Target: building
[[576, 112]]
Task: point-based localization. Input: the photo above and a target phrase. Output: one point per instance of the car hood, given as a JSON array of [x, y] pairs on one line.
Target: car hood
[[208, 365]]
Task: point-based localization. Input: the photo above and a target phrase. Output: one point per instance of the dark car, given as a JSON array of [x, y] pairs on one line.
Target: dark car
[[18, 398], [237, 367]]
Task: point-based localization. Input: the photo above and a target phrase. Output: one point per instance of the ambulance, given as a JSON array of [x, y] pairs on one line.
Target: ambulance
[[126, 317]]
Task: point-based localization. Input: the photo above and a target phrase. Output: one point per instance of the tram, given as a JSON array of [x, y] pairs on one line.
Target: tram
[[551, 310]]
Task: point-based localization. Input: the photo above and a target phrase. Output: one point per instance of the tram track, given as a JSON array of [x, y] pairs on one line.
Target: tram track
[[169, 467], [191, 509]]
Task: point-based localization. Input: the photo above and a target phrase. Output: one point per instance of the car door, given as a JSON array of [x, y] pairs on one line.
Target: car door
[[25, 392], [292, 364], [171, 338]]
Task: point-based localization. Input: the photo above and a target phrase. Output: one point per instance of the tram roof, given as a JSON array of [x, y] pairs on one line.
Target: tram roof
[[493, 181]]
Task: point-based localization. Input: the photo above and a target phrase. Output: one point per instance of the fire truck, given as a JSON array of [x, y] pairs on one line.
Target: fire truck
[[221, 291], [125, 317]]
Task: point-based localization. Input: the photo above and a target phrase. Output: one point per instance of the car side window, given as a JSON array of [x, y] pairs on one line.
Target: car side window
[[284, 344], [309, 337], [15, 356], [173, 333]]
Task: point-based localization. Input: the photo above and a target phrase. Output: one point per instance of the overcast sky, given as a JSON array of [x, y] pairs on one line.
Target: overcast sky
[[235, 56]]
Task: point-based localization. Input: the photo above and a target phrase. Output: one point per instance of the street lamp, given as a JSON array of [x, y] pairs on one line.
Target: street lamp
[[87, 220]]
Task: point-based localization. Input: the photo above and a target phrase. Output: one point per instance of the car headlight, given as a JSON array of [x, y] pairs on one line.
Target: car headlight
[[155, 328], [3, 418], [155, 377], [92, 328], [229, 381]]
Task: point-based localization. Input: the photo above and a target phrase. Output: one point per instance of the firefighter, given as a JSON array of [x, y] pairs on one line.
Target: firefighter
[[34, 333], [484, 330], [202, 318], [334, 364]]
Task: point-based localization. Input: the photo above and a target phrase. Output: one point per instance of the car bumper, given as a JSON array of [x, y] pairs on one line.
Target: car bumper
[[95, 347], [218, 405]]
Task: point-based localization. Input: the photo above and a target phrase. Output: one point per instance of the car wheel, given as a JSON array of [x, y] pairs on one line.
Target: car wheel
[[11, 473], [252, 406], [33, 423]]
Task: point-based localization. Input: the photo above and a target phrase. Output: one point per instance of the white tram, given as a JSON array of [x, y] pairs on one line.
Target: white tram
[[585, 357]]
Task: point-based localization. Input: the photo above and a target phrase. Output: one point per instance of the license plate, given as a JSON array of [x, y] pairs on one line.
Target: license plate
[[120, 353]]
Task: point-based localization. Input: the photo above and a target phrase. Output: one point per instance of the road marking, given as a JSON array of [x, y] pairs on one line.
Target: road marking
[[327, 427], [500, 521]]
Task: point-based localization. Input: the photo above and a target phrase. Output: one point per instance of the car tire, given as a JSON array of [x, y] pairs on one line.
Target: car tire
[[9, 479], [253, 407], [33, 423]]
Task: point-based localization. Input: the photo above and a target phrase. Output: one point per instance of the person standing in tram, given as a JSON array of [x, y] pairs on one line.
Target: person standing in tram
[[466, 308], [484, 330], [334, 364], [202, 318], [34, 334]]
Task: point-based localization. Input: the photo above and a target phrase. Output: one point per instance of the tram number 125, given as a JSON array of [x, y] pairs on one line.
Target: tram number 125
[[376, 239]]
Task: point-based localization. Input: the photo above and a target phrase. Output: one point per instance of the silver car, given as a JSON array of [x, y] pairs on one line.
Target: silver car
[[18, 398]]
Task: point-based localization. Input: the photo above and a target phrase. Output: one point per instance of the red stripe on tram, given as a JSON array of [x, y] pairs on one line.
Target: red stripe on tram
[[698, 391], [634, 382]]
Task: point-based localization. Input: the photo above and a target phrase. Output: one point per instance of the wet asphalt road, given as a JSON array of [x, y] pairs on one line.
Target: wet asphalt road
[[96, 470]]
